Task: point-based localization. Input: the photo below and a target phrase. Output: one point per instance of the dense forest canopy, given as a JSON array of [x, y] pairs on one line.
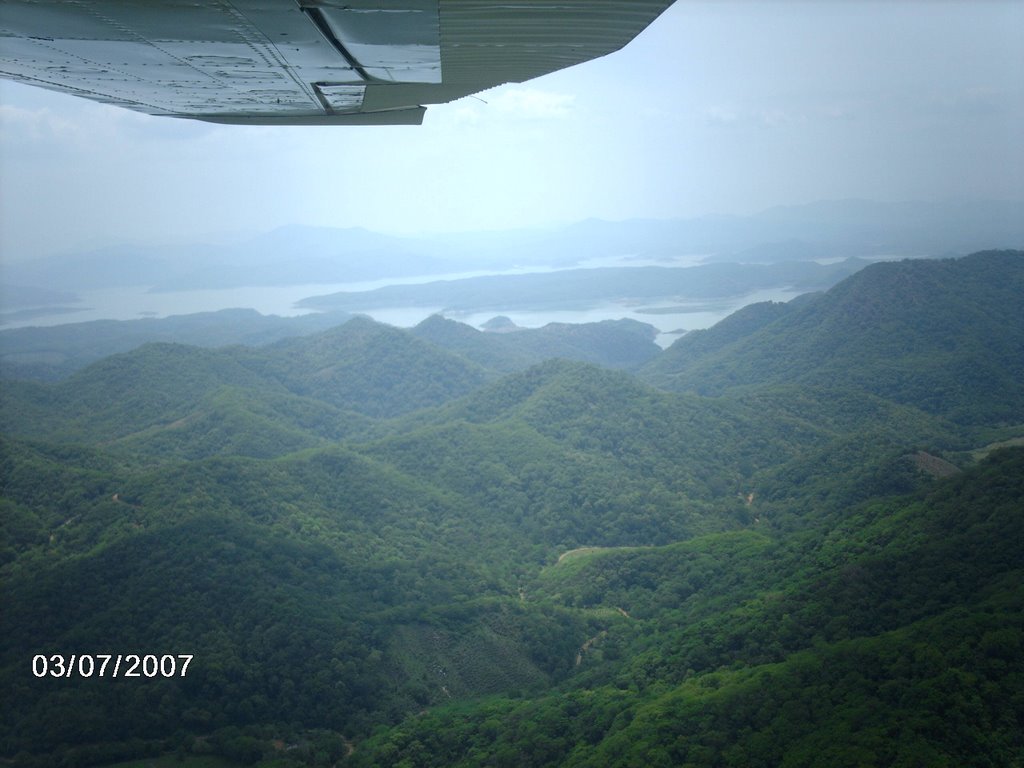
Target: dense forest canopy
[[790, 540]]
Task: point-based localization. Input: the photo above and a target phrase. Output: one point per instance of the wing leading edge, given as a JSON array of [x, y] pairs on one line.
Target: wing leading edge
[[303, 62]]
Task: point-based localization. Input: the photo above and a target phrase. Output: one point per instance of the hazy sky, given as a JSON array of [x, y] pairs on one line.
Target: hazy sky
[[718, 107]]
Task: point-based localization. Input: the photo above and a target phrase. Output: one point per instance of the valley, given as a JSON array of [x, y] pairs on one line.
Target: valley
[[789, 539]]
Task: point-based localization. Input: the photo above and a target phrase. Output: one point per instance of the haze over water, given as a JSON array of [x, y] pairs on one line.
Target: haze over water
[[131, 303], [138, 302]]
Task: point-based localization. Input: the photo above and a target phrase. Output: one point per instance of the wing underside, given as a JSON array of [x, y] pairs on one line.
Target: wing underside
[[288, 62]]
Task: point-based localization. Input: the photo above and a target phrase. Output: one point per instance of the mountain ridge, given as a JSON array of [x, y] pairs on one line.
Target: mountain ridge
[[823, 229], [359, 536], [880, 313]]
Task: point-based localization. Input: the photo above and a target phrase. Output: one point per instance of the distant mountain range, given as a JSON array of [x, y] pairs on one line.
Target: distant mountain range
[[53, 352], [298, 255], [642, 288]]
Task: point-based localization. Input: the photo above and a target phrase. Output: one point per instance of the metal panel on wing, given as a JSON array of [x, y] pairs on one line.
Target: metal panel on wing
[[311, 62]]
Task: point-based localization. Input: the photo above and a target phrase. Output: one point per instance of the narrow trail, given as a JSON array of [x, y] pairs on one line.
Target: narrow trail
[[578, 551], [599, 636], [586, 646]]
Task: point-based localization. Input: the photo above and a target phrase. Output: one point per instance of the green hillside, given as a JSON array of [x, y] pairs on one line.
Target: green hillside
[[894, 639], [53, 353], [435, 548], [946, 337], [366, 367], [50, 353], [316, 384], [611, 343]]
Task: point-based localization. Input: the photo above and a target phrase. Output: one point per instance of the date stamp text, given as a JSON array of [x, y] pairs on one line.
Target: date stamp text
[[111, 665]]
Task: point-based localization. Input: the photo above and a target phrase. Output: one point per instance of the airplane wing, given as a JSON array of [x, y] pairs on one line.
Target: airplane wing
[[303, 62]]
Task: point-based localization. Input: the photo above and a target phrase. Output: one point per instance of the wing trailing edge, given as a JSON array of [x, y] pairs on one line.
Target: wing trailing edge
[[303, 62]]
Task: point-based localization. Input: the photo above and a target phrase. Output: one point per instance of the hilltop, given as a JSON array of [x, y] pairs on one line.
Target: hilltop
[[945, 336]]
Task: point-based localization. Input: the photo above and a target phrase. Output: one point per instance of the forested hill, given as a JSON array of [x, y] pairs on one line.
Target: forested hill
[[361, 367], [611, 343], [436, 548], [739, 650], [592, 287], [946, 336], [55, 352]]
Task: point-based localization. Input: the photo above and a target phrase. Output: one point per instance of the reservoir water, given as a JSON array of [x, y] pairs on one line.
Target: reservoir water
[[137, 302], [131, 303]]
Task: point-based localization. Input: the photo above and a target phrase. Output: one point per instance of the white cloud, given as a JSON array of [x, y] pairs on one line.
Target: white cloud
[[34, 125], [721, 115], [777, 117], [532, 103]]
